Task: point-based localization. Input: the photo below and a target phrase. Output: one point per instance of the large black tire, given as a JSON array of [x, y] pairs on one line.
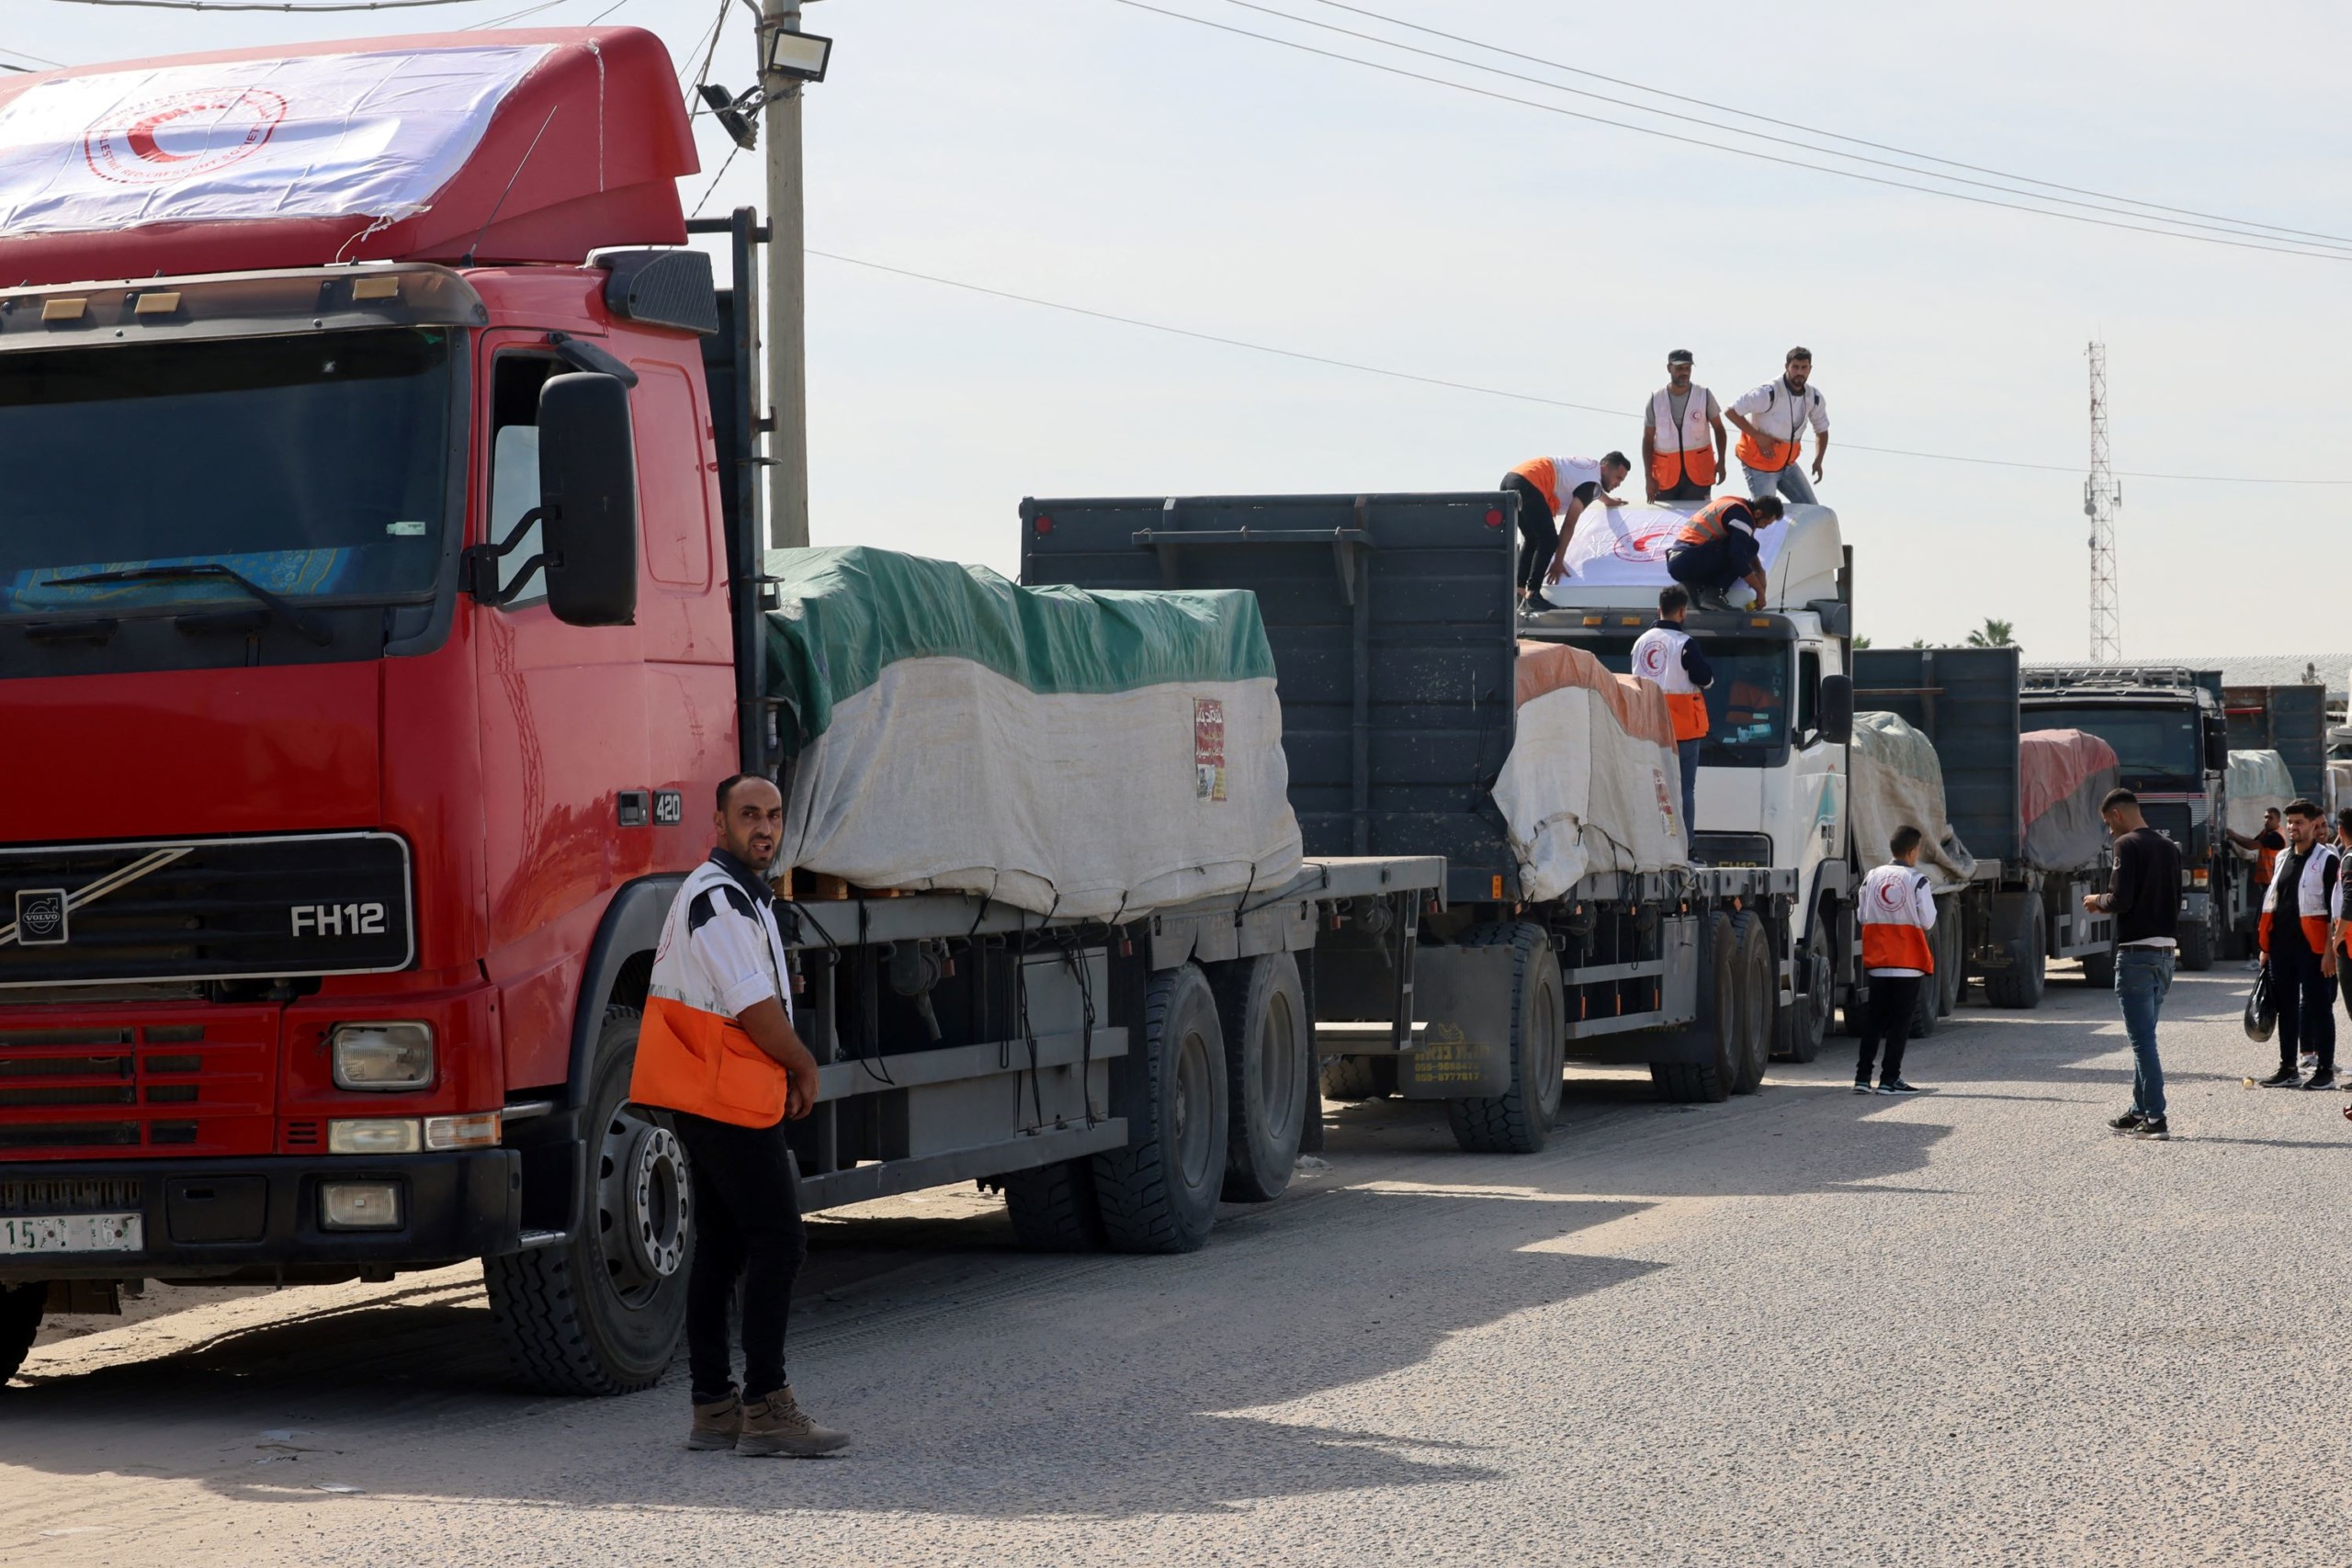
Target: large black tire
[[1270, 1073], [601, 1312], [1519, 1120], [1803, 1025], [2098, 969], [1691, 1083], [2197, 946], [1952, 954], [21, 1310], [1052, 1207], [2020, 984], [1358, 1077], [1923, 1012], [1160, 1194], [1760, 985]]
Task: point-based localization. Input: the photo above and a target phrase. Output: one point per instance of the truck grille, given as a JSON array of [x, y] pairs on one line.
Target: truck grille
[[210, 909], [167, 1087]]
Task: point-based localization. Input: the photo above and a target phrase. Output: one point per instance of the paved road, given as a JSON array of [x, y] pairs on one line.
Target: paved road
[[1803, 1328]]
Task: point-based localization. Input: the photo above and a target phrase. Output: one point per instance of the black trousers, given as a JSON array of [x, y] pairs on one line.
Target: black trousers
[[747, 1226], [1887, 1017], [1713, 566], [2306, 1002], [1538, 539]]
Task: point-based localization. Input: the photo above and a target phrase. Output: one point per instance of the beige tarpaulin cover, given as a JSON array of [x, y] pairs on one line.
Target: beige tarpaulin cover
[[1592, 783], [2258, 782], [1896, 778]]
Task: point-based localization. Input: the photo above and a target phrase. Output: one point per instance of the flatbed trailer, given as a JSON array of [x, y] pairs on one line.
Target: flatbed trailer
[[1393, 631]]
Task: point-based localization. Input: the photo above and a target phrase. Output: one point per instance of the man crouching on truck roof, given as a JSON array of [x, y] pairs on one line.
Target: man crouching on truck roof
[[1716, 550], [717, 1051]]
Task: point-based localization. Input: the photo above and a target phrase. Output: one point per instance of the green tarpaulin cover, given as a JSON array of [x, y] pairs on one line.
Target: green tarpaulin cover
[[846, 613]]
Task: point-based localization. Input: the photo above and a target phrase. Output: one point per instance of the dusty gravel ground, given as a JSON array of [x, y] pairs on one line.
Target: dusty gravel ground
[[1804, 1327]]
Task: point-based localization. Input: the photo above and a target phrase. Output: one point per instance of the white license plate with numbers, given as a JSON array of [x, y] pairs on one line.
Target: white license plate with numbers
[[70, 1233]]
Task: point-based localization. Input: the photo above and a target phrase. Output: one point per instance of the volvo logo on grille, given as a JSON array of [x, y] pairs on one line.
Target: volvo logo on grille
[[41, 917]]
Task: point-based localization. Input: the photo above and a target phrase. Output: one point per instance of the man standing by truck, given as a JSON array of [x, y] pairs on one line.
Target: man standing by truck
[[1898, 911], [1718, 548], [1682, 437], [2296, 911], [1668, 657], [2144, 897], [717, 1051]]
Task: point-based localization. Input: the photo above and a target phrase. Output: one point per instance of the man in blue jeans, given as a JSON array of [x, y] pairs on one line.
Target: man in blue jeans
[[2144, 899]]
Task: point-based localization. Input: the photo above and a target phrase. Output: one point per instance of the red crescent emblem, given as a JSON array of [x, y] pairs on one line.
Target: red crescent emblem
[[127, 146]]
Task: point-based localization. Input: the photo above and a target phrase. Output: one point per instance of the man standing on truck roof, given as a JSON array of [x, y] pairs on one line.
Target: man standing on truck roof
[[2144, 897], [1669, 658], [1772, 421], [1549, 487], [1717, 548], [1680, 460], [717, 1051], [2296, 912], [1898, 911]]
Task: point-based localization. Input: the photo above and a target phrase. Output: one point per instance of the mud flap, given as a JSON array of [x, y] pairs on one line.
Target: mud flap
[[1463, 997]]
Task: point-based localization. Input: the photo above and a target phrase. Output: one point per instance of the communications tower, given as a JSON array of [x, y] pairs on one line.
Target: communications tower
[[2101, 496]]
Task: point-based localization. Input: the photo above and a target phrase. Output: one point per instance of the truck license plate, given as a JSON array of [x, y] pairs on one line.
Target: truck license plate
[[70, 1233]]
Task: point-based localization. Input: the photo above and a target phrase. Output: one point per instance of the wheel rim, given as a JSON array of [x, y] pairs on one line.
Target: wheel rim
[[1816, 981], [1279, 1063], [643, 1205], [1192, 1100]]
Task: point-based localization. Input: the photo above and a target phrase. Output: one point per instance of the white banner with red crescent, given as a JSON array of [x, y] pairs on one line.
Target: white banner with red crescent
[[1616, 546], [310, 136]]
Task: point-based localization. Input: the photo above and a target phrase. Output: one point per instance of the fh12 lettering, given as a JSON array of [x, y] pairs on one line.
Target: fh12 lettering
[[338, 920]]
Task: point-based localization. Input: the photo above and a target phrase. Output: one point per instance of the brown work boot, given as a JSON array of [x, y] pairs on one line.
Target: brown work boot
[[717, 1424], [775, 1425]]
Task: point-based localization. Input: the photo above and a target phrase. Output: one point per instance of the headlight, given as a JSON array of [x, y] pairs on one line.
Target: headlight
[[479, 1131], [359, 1206], [373, 1135], [382, 1055]]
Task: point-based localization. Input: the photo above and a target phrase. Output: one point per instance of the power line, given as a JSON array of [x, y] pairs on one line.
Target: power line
[[2328, 242], [1720, 147], [1815, 129], [1843, 445]]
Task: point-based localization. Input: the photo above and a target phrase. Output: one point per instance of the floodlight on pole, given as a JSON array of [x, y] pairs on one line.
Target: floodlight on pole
[[802, 56]]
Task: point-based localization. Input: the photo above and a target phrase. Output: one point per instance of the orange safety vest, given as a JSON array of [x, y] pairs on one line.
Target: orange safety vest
[[1558, 477], [1683, 451], [1713, 521], [1892, 937], [1657, 659], [2311, 908], [1769, 457], [690, 1054]]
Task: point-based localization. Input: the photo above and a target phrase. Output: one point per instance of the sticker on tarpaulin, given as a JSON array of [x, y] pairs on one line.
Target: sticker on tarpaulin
[[1208, 748]]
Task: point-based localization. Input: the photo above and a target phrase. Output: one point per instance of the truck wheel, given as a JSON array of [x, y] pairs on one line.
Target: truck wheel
[[20, 1310], [1518, 1120], [600, 1311], [1358, 1077], [2019, 986], [1688, 1083], [1758, 996], [1952, 955], [1052, 1207], [2098, 970], [2197, 946], [1158, 1194], [1801, 1027], [1923, 1012], [1269, 1061]]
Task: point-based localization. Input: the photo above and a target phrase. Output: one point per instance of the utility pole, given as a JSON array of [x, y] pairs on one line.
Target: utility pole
[[2101, 496], [788, 365]]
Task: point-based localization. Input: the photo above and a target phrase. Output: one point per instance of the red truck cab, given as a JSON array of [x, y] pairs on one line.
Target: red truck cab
[[367, 656]]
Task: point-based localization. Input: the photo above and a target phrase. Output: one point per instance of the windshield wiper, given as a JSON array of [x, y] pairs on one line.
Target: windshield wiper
[[285, 611]]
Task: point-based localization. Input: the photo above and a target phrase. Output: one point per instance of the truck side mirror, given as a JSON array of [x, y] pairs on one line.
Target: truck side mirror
[[1838, 709], [2217, 744], [588, 496]]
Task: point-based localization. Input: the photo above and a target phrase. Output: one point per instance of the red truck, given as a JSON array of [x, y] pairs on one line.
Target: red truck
[[379, 606]]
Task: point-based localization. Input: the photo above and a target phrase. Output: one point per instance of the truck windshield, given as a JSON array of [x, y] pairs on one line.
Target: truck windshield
[[2152, 744], [1747, 707], [315, 467]]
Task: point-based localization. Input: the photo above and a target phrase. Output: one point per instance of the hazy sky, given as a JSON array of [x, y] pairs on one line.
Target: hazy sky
[[1095, 153]]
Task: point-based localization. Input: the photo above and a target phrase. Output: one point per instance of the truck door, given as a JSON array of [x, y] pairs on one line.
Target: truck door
[[1820, 782]]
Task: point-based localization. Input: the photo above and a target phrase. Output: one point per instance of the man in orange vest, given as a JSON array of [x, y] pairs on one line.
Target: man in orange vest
[[1717, 548], [1680, 460], [717, 1051], [1557, 487], [1897, 913], [1668, 657], [1772, 420]]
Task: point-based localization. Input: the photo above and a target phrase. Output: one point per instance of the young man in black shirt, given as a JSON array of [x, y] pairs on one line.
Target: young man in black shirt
[[2295, 948], [2144, 899]]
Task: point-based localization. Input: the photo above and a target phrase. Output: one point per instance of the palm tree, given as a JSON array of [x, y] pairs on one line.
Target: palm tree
[[1993, 634], [1862, 642]]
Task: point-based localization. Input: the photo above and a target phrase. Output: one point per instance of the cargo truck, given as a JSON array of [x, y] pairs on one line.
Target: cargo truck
[[2291, 720], [382, 599], [2014, 915], [1396, 646], [2170, 733]]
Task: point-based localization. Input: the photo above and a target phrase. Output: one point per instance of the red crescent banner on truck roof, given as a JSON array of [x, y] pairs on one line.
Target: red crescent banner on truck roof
[[394, 149]]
